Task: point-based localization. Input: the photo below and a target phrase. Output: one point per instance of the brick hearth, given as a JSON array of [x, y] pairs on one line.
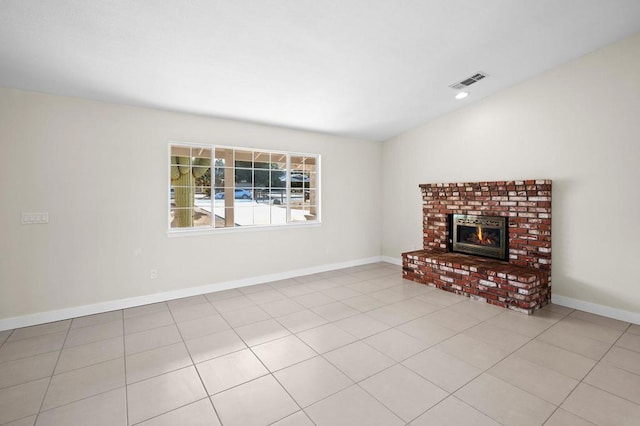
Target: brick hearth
[[524, 282]]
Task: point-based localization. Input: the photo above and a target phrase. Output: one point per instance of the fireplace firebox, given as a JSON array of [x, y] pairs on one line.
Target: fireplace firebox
[[480, 235]]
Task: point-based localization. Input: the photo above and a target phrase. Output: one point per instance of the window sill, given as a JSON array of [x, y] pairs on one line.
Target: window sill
[[194, 232]]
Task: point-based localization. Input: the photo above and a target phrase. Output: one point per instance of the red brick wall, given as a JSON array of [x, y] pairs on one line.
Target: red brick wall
[[522, 284], [527, 204]]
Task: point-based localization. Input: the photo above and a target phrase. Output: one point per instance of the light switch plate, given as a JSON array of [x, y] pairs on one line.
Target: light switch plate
[[34, 218]]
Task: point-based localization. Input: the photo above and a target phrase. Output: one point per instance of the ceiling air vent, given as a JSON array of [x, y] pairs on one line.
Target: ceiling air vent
[[469, 81]]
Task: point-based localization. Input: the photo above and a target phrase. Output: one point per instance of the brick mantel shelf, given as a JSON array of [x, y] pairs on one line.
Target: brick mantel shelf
[[524, 282]]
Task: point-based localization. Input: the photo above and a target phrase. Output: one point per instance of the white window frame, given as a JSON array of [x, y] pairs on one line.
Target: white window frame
[[212, 228]]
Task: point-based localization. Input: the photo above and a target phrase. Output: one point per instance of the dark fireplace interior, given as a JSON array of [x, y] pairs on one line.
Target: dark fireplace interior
[[479, 235]]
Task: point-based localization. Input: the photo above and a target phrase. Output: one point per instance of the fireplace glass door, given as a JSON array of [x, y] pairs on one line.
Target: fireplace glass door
[[480, 235]]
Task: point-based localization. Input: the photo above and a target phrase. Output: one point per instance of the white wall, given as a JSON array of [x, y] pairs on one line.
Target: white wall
[[579, 125], [100, 170]]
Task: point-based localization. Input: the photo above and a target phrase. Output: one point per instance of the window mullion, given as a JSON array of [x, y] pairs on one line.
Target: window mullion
[[212, 184], [288, 186]]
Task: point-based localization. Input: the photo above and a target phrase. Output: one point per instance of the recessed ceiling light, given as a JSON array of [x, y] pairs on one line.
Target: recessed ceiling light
[[462, 95]]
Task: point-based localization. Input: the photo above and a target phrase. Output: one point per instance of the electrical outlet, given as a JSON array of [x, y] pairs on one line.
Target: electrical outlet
[[33, 218], [153, 274]]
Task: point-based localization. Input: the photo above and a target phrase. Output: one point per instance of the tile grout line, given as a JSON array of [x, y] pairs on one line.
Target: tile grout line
[[358, 340], [317, 354], [170, 411], [361, 340], [483, 371], [6, 339], [154, 348], [518, 387], [586, 374], [44, 395], [194, 367], [362, 313], [269, 372], [67, 332], [449, 394], [163, 373], [486, 371]]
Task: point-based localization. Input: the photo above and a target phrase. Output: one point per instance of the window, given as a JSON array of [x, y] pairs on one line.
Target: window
[[216, 187]]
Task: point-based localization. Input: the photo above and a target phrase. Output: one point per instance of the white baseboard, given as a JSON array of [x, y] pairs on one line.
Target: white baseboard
[[393, 260], [594, 308], [96, 308]]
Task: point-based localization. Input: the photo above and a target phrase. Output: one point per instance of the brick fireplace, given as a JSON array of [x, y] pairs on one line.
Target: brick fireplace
[[523, 281]]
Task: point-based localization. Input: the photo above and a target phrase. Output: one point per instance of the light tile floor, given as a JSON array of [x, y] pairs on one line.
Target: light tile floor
[[358, 346]]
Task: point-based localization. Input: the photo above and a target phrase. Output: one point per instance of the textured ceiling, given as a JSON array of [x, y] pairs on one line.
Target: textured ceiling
[[365, 68]]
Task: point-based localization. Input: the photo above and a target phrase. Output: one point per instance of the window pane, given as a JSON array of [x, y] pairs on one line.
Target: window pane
[[221, 195], [224, 157], [181, 217], [261, 195], [218, 219], [230, 217], [299, 176], [221, 176], [311, 197], [202, 186], [279, 160], [190, 174], [243, 215], [298, 215], [278, 214], [278, 178], [224, 217], [261, 160], [261, 178], [297, 163], [180, 166], [310, 215], [243, 159], [278, 196], [218, 208], [243, 194], [310, 163], [201, 152], [297, 196], [201, 166], [180, 151], [201, 217], [202, 197], [262, 214], [244, 177]]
